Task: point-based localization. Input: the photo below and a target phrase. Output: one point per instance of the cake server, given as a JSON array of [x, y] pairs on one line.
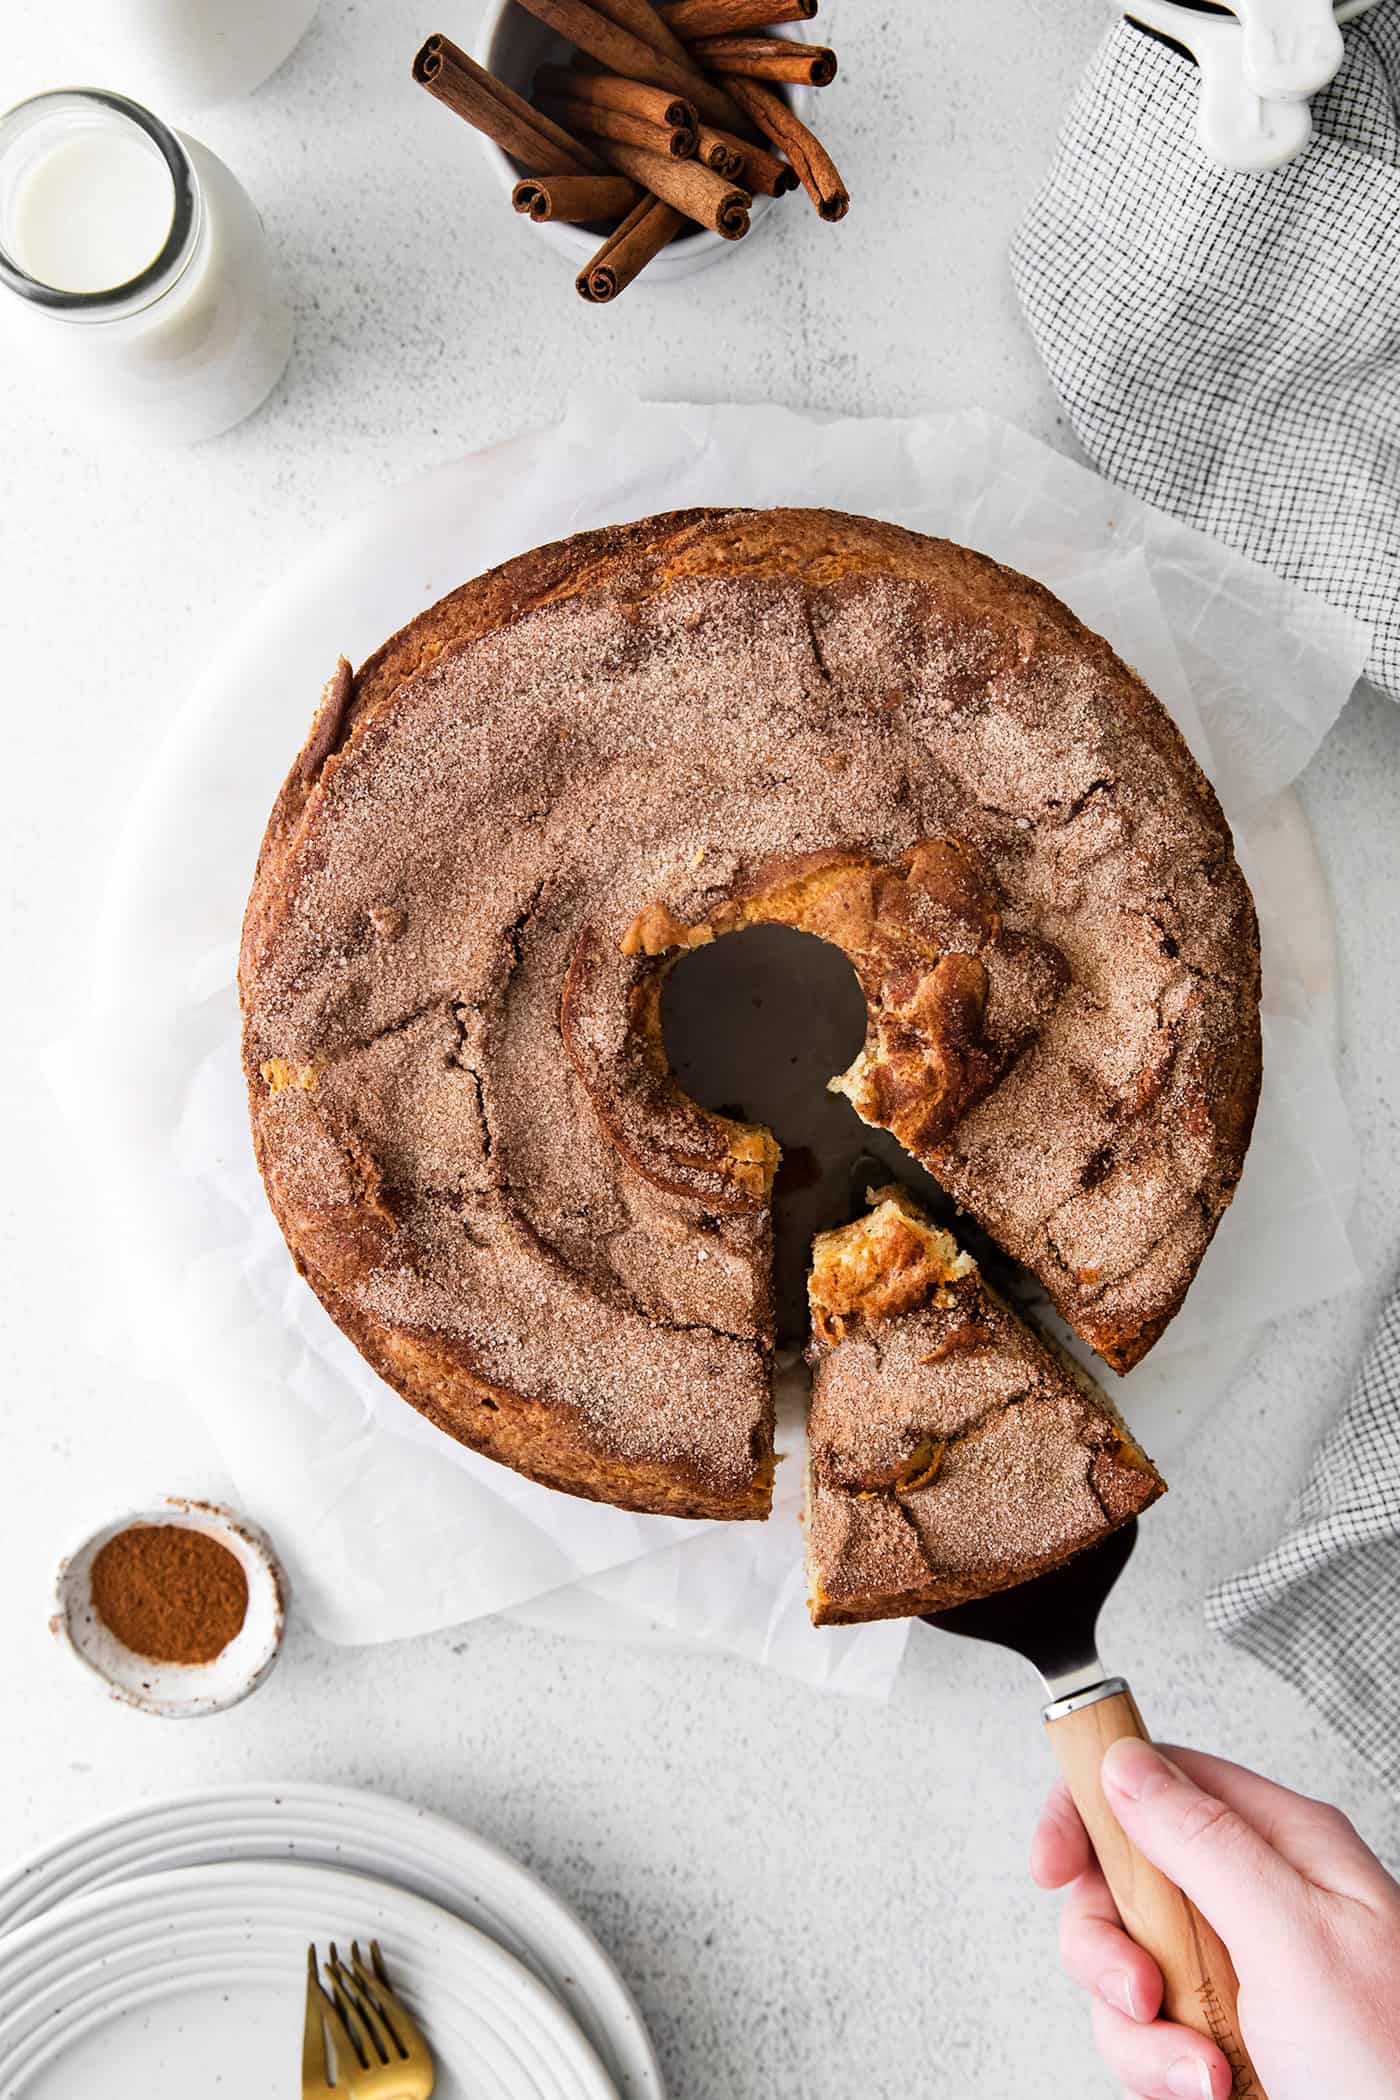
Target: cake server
[[1051, 1621]]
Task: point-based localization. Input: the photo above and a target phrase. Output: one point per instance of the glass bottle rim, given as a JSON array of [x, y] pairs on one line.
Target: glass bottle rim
[[158, 275]]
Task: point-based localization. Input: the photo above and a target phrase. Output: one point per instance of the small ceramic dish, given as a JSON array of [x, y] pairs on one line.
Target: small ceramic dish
[[513, 45], [177, 1690]]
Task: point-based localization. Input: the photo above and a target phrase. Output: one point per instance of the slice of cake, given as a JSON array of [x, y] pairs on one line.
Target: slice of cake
[[953, 1449]]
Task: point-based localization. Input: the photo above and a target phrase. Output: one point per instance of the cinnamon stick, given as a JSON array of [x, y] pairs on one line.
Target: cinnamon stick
[[722, 152], [619, 124], [686, 185], [607, 91], [622, 51], [689, 18], [575, 200], [815, 167], [627, 250], [469, 91], [757, 169], [640, 19], [767, 58]]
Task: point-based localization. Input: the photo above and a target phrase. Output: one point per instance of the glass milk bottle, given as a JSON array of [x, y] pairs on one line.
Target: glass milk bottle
[[134, 274]]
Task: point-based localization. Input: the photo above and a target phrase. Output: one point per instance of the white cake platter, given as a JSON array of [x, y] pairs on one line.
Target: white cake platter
[[166, 1112]]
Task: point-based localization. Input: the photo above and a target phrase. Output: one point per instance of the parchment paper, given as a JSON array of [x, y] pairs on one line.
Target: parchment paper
[[387, 1527]]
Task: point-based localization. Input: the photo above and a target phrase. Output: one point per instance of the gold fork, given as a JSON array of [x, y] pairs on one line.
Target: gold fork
[[379, 2052]]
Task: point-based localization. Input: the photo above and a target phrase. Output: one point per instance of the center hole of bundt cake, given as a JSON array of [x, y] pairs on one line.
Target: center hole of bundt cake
[[754, 1025]]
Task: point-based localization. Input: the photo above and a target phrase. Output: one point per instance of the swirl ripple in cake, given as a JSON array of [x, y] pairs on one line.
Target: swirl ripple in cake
[[511, 822]]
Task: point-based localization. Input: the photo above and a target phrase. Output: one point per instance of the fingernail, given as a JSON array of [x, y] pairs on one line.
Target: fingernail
[[1116, 1989], [1137, 1769], [1190, 2079]]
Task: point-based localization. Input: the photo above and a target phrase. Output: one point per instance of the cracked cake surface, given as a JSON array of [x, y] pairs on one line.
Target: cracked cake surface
[[510, 823], [953, 1450]]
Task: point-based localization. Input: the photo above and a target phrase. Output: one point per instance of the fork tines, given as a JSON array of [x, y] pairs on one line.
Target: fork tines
[[360, 2001], [370, 2029]]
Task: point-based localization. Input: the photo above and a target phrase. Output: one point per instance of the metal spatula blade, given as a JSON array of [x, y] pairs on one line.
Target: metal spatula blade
[[1052, 1619], [1052, 1622]]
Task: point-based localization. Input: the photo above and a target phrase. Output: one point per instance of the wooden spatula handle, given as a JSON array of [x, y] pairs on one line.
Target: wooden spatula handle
[[1201, 1987]]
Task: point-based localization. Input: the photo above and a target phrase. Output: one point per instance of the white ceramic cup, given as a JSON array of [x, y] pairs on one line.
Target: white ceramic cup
[[179, 55], [513, 45]]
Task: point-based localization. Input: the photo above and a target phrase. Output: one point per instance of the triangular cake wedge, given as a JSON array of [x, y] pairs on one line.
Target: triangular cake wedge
[[954, 1450]]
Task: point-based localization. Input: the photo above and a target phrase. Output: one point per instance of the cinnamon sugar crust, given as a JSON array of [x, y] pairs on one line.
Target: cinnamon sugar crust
[[518, 814], [952, 1450]]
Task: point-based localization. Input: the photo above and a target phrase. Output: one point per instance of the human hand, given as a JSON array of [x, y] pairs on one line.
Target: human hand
[[1308, 1913]]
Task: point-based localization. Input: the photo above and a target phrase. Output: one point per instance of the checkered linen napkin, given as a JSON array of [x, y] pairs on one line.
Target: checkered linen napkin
[[1228, 346], [1322, 1608]]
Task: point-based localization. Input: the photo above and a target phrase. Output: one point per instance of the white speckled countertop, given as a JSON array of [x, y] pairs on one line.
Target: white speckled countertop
[[812, 1897]]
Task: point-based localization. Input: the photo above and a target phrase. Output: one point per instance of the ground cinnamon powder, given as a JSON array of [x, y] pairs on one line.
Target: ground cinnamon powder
[[169, 1593]]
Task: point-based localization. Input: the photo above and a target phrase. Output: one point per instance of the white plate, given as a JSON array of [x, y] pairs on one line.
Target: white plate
[[173, 1984], [389, 1841]]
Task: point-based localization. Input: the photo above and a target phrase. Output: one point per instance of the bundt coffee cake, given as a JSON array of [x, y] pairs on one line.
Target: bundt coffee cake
[[510, 823], [952, 1450]]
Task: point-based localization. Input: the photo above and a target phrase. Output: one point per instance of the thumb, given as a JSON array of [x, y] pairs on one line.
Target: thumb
[[1247, 1891]]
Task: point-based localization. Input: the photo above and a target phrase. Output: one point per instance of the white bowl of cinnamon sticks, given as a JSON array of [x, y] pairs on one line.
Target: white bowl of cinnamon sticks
[[643, 134]]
